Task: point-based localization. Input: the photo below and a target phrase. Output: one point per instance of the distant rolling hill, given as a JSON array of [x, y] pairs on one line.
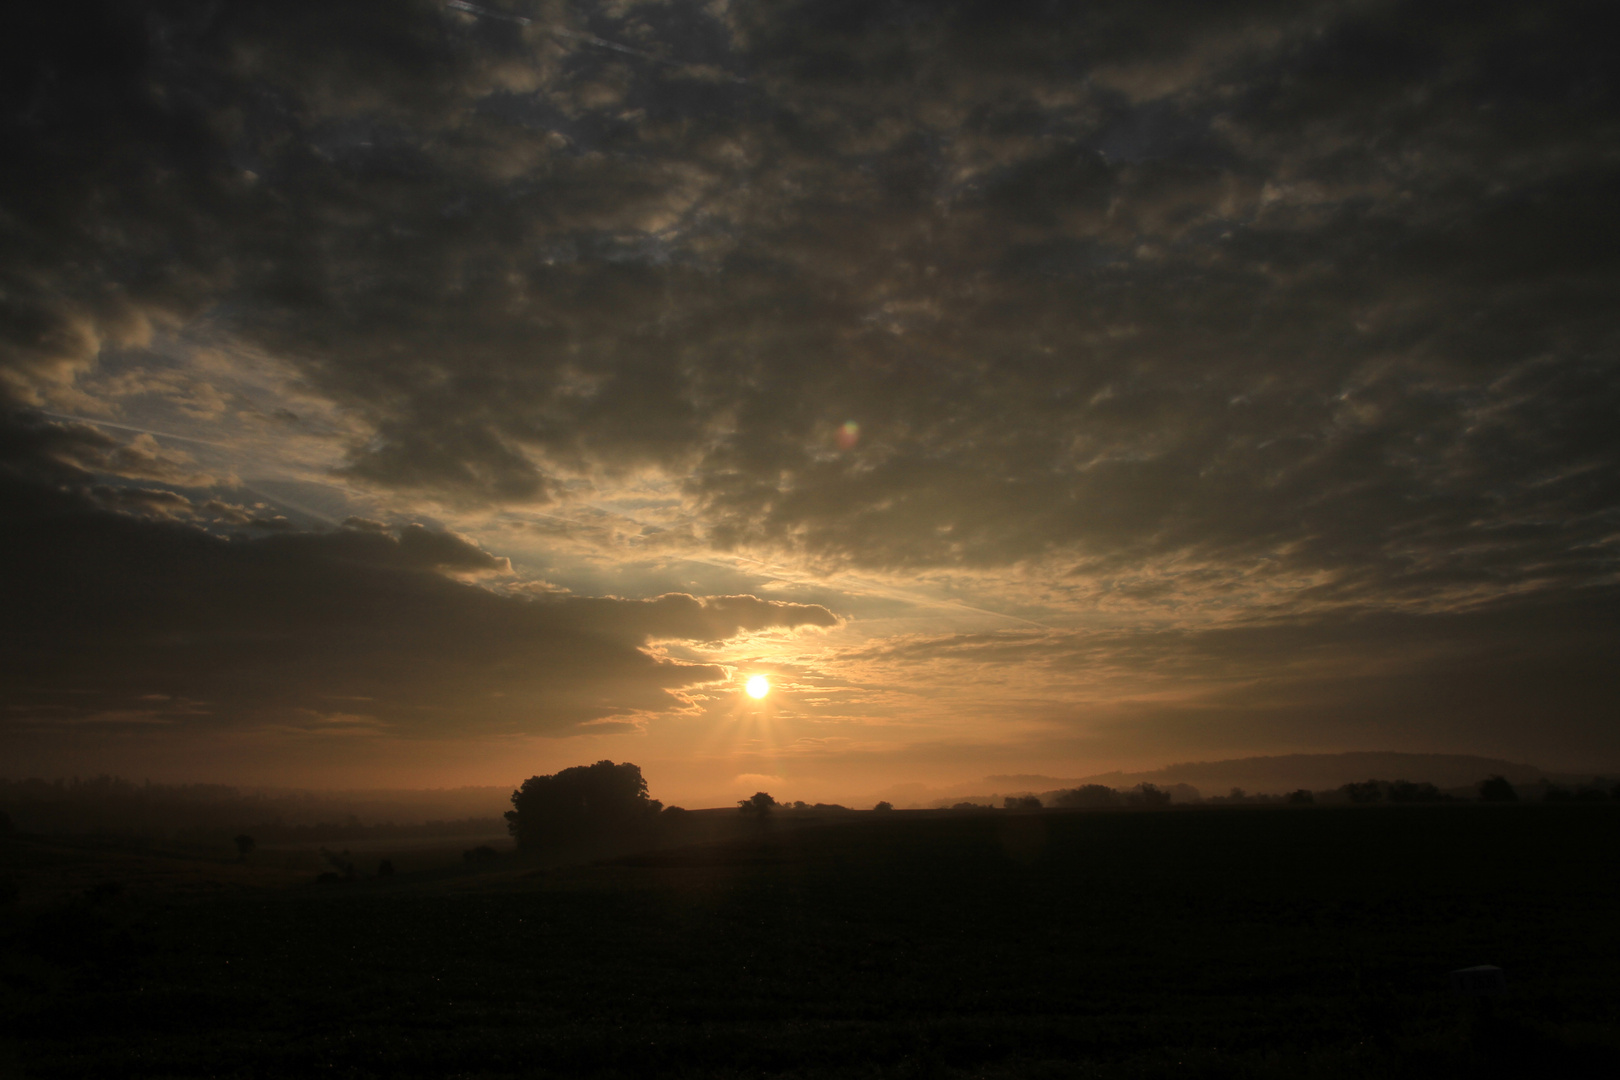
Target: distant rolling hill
[[1289, 772]]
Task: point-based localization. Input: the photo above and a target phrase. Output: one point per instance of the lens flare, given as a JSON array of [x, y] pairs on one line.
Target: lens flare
[[758, 686], [849, 435]]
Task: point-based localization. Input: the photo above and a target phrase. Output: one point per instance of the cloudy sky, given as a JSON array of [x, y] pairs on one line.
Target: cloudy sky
[[419, 393]]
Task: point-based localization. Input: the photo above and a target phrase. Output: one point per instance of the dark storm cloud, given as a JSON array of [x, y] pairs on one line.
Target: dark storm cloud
[[33, 447], [1317, 295], [115, 618]]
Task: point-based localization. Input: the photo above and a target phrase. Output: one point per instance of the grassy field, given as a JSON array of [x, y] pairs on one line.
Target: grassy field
[[1265, 943]]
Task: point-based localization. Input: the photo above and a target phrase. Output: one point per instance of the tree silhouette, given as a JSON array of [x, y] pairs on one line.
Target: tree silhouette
[[1088, 795], [1370, 791], [885, 806], [245, 845], [582, 803], [1497, 789], [1147, 795], [759, 804]]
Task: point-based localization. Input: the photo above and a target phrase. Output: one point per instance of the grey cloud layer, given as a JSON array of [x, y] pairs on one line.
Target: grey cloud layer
[[1320, 291]]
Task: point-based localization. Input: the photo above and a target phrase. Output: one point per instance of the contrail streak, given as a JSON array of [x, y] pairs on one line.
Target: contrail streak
[[279, 500], [589, 39], [137, 430]]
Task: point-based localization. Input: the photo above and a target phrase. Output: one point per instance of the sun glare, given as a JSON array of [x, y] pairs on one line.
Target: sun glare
[[758, 686]]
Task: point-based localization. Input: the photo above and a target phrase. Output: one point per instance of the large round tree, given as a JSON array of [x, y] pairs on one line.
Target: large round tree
[[581, 803]]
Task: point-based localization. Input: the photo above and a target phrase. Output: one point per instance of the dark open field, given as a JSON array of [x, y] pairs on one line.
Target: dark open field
[[1311, 942]]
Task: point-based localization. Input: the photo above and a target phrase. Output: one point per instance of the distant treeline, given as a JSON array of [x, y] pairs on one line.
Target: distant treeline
[[1359, 793], [114, 805], [217, 812]]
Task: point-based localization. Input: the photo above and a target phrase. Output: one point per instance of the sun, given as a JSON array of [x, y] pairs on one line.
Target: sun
[[758, 686]]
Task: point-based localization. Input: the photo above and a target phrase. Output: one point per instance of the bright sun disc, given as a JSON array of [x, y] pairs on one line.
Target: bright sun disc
[[758, 686]]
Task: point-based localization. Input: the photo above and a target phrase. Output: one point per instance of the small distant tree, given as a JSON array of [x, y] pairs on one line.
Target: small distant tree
[[245, 845], [385, 868], [1370, 792], [1088, 795], [582, 803], [884, 806], [759, 805], [1021, 802], [1497, 789], [1302, 797], [481, 853], [1147, 796]]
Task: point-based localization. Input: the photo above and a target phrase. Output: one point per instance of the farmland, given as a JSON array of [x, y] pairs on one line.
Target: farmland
[[1253, 942]]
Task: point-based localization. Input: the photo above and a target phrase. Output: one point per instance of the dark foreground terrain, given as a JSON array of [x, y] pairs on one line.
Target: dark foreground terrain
[[1265, 943]]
